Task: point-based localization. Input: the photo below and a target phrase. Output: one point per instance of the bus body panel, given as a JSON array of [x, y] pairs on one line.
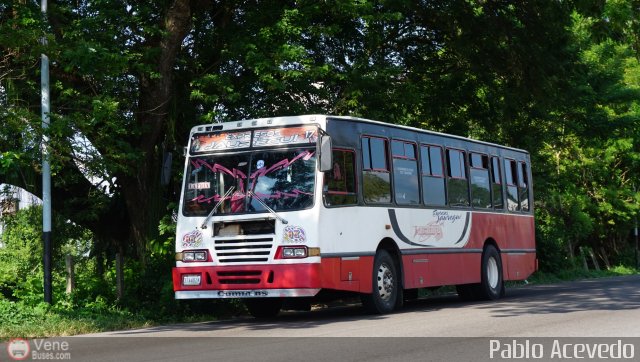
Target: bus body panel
[[434, 245]]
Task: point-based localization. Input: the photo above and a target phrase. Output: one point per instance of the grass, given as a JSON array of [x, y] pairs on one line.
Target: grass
[[20, 320], [43, 321], [541, 277]]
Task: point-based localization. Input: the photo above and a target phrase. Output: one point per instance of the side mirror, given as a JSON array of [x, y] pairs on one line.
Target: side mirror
[[325, 153]]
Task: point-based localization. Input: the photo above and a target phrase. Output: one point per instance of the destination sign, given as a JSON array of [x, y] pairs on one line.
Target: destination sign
[[225, 141], [220, 141], [285, 136]]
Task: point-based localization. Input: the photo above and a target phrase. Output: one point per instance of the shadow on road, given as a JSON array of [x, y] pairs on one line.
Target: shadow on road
[[289, 319], [607, 294]]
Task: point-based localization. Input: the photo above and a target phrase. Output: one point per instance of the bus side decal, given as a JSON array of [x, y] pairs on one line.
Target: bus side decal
[[432, 228], [465, 236], [396, 228]]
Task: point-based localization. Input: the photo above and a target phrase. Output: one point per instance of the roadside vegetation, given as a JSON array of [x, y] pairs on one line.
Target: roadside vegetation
[[93, 305], [560, 79], [542, 277]]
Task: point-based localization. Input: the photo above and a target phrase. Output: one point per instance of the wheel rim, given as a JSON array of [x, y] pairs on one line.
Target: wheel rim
[[385, 282], [492, 273]]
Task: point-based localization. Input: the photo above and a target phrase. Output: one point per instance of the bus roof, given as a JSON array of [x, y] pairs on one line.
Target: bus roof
[[311, 118], [414, 129]]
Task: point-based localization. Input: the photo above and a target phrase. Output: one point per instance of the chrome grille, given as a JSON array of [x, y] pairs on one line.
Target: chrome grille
[[243, 249]]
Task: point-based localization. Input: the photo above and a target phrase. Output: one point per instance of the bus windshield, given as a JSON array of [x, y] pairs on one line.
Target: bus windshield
[[283, 179]]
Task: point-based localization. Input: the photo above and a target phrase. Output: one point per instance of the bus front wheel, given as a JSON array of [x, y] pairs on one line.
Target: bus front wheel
[[385, 285]]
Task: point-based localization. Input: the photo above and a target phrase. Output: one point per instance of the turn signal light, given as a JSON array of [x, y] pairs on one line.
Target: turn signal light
[[296, 252]]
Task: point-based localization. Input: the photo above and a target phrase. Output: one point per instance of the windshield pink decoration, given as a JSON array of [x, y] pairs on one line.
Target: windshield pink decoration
[[218, 168], [238, 196], [306, 156]]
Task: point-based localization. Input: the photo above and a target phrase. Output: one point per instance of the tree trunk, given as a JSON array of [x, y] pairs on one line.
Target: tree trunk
[[585, 265], [71, 276], [593, 259], [605, 258], [141, 190], [119, 276]]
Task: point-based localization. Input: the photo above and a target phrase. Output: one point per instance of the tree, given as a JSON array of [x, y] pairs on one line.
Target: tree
[[133, 78], [591, 162], [112, 82]]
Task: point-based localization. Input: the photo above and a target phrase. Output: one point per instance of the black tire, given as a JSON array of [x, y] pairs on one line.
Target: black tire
[[385, 286], [263, 307], [492, 285]]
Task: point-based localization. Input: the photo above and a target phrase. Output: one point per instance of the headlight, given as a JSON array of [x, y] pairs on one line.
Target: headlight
[[293, 252], [193, 256]]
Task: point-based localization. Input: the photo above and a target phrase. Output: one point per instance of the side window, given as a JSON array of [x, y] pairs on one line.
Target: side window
[[457, 184], [523, 186], [433, 190], [340, 182], [376, 180], [479, 174], [496, 183], [405, 173], [511, 173]]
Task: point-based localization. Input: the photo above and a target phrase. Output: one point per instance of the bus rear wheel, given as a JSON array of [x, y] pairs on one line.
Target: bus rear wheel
[[492, 285], [263, 307], [385, 285]]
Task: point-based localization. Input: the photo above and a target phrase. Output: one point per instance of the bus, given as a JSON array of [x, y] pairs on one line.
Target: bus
[[282, 211]]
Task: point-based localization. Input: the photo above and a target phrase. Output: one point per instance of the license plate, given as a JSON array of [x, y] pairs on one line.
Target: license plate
[[193, 279]]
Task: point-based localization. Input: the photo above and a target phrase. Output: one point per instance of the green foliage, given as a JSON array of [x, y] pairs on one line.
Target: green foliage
[[93, 305], [21, 253], [588, 167], [164, 245], [22, 320]]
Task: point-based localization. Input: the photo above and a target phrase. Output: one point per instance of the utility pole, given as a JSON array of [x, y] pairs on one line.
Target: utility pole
[[46, 168], [635, 232], [635, 229]]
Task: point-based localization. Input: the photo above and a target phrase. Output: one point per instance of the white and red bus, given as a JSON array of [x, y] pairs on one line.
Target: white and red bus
[[283, 210]]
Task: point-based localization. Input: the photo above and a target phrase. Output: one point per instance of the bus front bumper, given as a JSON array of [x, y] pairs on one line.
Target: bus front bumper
[[263, 293], [255, 281]]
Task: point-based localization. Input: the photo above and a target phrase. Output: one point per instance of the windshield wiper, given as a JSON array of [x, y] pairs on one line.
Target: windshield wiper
[[253, 194], [226, 194]]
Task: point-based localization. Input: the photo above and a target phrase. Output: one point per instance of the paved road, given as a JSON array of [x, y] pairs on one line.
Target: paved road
[[566, 312], [589, 308]]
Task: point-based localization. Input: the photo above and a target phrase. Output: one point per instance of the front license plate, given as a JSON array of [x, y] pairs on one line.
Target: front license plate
[[192, 279]]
